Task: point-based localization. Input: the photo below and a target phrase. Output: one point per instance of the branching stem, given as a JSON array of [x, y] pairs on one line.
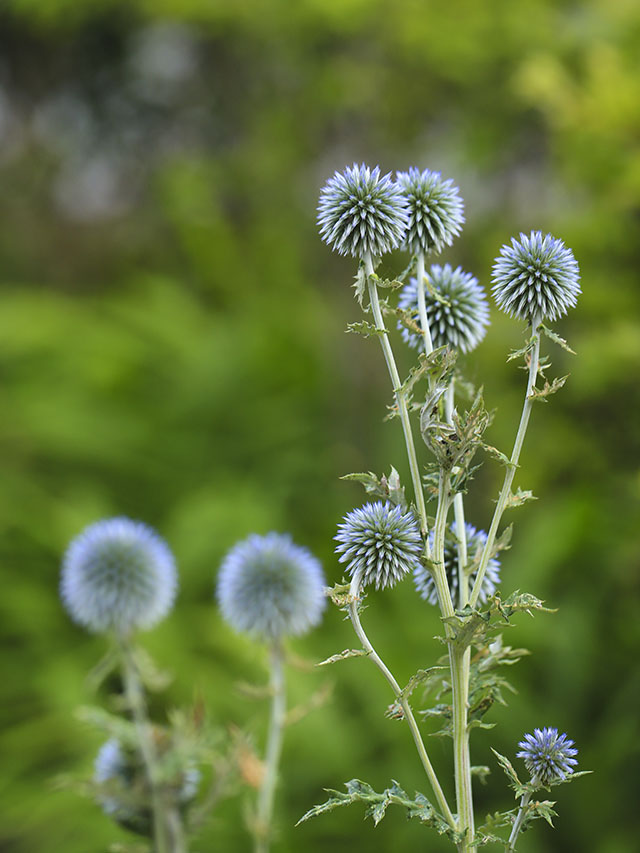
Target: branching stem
[[401, 402], [135, 700], [534, 361], [354, 595], [517, 826], [422, 305]]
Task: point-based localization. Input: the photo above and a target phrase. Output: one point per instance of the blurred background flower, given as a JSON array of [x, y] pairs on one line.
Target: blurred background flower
[[172, 348]]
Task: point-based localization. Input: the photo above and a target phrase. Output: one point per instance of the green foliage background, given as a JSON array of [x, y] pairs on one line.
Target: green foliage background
[[172, 349]]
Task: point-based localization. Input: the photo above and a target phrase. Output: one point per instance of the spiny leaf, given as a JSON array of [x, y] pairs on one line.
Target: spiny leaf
[[347, 653], [549, 388], [519, 498], [357, 791], [422, 676], [556, 338], [360, 283], [387, 488], [497, 454], [365, 329], [522, 353]]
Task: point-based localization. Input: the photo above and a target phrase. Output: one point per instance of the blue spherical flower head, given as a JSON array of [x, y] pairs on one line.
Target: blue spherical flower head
[[270, 588], [536, 277], [435, 210], [380, 543], [476, 540], [361, 212], [457, 309], [128, 802], [548, 756], [118, 575]]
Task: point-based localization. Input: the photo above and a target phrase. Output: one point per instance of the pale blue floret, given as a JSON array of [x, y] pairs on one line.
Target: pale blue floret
[[380, 543], [476, 540], [457, 309], [119, 575], [536, 277], [548, 757], [436, 210], [361, 212], [269, 588]]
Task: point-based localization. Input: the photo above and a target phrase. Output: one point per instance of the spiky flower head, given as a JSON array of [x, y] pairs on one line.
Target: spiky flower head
[[548, 756], [457, 309], [536, 277], [476, 540], [361, 212], [435, 210], [269, 588], [120, 771], [380, 543], [118, 575]]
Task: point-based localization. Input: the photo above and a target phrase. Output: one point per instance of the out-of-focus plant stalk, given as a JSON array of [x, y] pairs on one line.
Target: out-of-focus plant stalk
[[134, 696], [266, 795]]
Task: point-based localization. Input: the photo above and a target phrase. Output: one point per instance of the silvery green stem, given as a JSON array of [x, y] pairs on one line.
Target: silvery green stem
[[517, 826], [422, 306], [513, 463], [400, 400], [460, 663], [354, 594], [439, 530], [266, 795], [135, 700]]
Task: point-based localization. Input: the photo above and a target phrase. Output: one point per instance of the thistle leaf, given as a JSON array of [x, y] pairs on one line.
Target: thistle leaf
[[347, 653]]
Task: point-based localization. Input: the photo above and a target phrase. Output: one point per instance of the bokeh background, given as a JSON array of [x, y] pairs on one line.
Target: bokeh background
[[172, 348]]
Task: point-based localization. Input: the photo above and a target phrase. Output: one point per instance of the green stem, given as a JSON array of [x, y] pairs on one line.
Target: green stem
[[513, 463], [460, 664], [354, 595], [401, 402], [266, 795], [422, 305], [135, 700], [517, 826]]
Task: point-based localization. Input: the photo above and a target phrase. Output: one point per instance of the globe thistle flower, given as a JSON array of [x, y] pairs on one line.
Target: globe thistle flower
[[476, 540], [269, 588], [118, 575], [548, 757], [380, 543], [361, 213], [435, 210], [122, 772], [458, 312], [536, 277]]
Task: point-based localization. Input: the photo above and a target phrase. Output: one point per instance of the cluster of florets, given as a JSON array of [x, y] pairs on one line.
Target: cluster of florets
[[476, 540], [379, 543], [457, 309], [270, 588], [548, 756], [364, 213]]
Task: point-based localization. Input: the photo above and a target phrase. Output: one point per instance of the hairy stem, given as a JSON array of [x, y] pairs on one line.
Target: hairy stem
[[460, 663], [517, 826], [354, 594], [401, 402], [534, 360], [134, 696], [266, 795], [422, 306]]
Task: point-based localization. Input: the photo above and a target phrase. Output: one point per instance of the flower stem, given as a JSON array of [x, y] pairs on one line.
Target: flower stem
[[460, 663], [534, 361], [422, 305], [517, 826], [135, 700], [401, 402], [266, 795], [354, 594]]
